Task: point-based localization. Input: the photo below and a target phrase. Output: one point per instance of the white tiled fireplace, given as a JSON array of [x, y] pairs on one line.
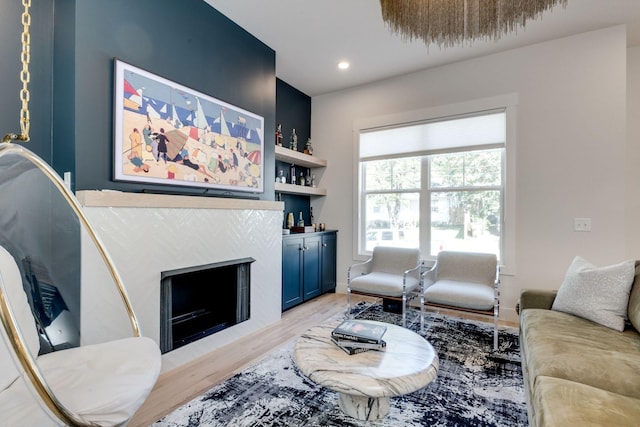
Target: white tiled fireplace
[[146, 234]]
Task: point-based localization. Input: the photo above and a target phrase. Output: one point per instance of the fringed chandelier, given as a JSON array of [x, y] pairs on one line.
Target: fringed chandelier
[[452, 22]]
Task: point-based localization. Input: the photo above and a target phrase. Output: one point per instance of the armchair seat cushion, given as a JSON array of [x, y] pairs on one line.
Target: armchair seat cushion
[[469, 295], [380, 283], [104, 383]]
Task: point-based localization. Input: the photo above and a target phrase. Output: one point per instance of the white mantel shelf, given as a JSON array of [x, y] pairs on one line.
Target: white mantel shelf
[[110, 198]]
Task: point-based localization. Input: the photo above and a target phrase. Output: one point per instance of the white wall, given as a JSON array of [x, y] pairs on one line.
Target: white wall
[[570, 148], [632, 157]]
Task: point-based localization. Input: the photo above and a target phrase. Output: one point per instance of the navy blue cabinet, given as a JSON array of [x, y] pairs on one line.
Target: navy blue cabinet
[[328, 262], [308, 266], [291, 272]]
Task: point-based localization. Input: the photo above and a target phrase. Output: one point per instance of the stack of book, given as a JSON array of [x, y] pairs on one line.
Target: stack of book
[[354, 336]]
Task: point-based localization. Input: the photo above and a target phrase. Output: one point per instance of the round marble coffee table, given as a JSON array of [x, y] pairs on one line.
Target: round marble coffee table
[[365, 381]]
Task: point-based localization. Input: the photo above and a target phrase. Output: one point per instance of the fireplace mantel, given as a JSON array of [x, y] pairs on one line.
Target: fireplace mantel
[[121, 199]]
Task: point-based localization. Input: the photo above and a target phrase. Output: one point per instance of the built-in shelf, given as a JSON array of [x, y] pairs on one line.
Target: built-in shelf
[[300, 189], [298, 158]]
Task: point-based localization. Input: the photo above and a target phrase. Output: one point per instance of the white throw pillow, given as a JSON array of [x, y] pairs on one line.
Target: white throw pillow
[[597, 294]]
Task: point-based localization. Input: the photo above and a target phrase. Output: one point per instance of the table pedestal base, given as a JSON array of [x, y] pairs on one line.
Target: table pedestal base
[[364, 408]]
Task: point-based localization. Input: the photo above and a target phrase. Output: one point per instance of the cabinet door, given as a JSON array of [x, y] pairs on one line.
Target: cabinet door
[[311, 269], [291, 272], [328, 262]]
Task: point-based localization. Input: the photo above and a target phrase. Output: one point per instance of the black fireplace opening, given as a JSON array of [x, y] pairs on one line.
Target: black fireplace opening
[[198, 301]]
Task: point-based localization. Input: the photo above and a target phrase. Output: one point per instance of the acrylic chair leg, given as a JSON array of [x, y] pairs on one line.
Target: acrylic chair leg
[[495, 328], [421, 311], [404, 311]]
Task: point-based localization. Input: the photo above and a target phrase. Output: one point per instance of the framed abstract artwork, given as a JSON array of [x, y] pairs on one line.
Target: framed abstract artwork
[[166, 133]]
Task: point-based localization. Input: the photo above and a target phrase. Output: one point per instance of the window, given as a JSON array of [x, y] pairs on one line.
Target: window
[[434, 185]]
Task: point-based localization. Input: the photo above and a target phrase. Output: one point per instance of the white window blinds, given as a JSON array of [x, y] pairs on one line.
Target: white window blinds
[[476, 131]]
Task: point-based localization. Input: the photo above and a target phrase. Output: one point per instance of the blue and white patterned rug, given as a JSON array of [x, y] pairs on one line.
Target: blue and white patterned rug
[[474, 387]]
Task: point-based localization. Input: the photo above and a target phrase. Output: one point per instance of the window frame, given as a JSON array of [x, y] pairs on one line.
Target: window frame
[[508, 103]]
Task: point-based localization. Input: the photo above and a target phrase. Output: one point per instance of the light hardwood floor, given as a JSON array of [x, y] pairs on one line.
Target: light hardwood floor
[[180, 385]]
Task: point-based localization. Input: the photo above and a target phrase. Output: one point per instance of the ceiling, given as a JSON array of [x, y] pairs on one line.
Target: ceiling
[[310, 37]]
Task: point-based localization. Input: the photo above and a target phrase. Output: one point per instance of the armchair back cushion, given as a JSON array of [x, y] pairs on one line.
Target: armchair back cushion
[[12, 281], [466, 267], [394, 260]]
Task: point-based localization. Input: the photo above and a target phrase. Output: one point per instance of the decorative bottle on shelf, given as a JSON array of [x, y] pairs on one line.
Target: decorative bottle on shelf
[[311, 215], [308, 149], [313, 181], [279, 135], [294, 140], [300, 220], [307, 180], [290, 220], [281, 178], [292, 173], [301, 179]]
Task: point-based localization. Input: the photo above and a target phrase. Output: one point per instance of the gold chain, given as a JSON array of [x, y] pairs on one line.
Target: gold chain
[[25, 77]]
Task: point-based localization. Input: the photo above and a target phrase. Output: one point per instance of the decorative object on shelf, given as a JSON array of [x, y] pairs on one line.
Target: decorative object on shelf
[[321, 226], [311, 216], [297, 161], [292, 173], [281, 178], [308, 149], [294, 140], [450, 23], [279, 135], [290, 220], [307, 179], [302, 229], [300, 220], [164, 136], [301, 179]]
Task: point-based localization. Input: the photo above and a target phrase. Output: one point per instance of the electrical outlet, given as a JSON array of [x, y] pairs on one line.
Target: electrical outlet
[[582, 224]]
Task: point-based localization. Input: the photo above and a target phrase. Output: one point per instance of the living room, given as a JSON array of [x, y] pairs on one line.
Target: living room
[[574, 100]]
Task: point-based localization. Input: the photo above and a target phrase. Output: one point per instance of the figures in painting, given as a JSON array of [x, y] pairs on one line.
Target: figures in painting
[[175, 136]]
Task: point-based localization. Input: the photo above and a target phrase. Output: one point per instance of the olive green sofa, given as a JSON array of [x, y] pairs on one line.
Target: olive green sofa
[[576, 372]]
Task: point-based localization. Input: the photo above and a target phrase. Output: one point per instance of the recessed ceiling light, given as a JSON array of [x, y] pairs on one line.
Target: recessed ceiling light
[[343, 65]]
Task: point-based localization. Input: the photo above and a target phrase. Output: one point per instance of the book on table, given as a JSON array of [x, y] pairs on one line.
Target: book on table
[[354, 347], [358, 331]]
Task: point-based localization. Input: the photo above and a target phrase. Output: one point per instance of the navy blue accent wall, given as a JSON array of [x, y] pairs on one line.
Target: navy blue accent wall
[[185, 41], [41, 30], [293, 111]]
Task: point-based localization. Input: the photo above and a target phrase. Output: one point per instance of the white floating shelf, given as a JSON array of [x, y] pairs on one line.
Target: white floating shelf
[[298, 158], [299, 189]]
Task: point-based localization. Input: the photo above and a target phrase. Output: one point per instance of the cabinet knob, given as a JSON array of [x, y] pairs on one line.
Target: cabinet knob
[[324, 245]]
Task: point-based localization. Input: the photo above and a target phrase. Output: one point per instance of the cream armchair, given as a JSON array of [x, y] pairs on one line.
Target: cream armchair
[[391, 273], [464, 281]]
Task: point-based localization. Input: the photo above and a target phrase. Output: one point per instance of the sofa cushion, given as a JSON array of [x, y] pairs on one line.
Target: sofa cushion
[[598, 294], [560, 345], [561, 403], [634, 300]]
